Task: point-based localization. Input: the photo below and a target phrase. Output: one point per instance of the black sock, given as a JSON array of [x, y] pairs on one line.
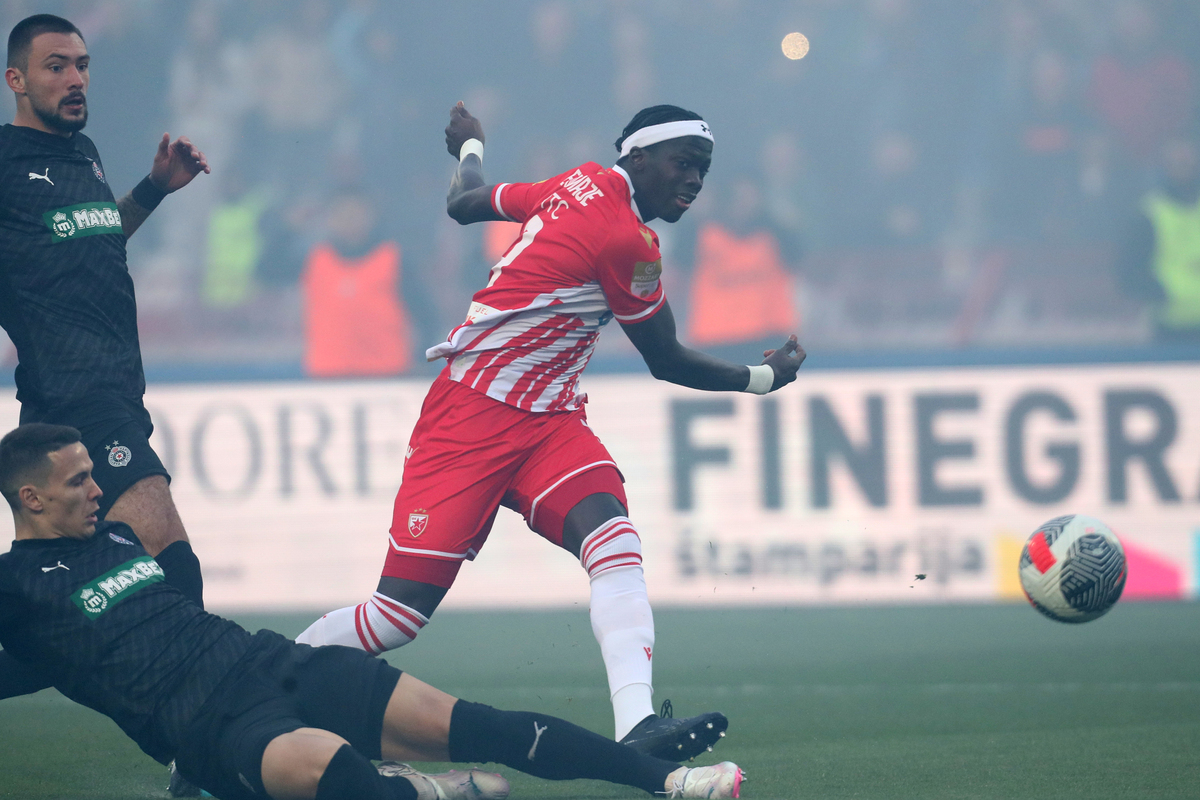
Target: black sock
[[182, 569], [560, 750], [350, 776], [17, 679]]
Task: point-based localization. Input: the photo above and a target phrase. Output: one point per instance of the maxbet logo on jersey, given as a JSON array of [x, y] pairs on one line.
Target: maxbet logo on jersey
[[85, 219], [94, 598]]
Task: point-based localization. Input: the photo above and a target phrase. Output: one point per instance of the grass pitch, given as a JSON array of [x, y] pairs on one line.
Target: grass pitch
[[923, 702]]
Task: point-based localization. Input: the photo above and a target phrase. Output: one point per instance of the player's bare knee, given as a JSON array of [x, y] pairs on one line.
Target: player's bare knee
[[423, 597], [416, 724], [293, 763], [586, 516]]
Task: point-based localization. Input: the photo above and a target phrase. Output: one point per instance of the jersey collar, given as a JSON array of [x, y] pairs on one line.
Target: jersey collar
[[48, 140], [629, 181]]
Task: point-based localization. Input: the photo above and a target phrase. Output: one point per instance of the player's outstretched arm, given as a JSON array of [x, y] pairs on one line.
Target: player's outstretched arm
[[670, 361], [469, 199], [175, 164]]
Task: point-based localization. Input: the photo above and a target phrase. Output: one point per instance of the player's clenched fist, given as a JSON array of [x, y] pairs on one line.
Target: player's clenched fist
[[785, 361], [462, 127]]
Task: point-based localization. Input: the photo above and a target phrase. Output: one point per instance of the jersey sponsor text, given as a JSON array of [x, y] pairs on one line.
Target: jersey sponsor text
[[84, 219], [118, 584]]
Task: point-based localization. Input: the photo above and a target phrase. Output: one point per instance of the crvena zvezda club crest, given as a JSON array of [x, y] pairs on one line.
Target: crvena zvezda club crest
[[418, 521]]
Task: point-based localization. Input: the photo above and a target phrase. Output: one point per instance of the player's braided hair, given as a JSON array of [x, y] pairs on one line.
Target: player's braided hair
[[25, 31], [23, 452], [654, 115]]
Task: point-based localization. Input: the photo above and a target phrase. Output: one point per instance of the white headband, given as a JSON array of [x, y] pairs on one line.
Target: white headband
[[667, 130]]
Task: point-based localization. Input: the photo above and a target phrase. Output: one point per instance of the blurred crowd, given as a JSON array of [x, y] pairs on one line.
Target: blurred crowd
[[934, 174]]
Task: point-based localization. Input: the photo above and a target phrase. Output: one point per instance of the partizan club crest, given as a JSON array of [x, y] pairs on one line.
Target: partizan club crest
[[118, 454], [96, 170], [418, 521]]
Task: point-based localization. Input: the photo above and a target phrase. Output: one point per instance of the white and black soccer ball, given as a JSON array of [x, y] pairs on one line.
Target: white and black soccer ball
[[1073, 568]]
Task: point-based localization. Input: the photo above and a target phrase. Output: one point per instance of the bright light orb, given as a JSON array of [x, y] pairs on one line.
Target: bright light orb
[[795, 46]]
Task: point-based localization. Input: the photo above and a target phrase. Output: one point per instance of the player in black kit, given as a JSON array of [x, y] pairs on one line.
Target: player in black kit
[[66, 297], [247, 716]]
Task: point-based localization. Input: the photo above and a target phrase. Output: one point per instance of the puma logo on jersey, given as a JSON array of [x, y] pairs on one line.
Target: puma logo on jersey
[[537, 737], [59, 565], [34, 176]]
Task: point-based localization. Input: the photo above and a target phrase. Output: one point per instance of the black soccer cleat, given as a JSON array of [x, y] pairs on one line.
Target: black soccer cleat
[[676, 739]]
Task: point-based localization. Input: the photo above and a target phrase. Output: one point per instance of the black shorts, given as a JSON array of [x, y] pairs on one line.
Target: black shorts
[[116, 432], [278, 687]]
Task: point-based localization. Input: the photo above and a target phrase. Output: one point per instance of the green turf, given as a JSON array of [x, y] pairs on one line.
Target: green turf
[[935, 702]]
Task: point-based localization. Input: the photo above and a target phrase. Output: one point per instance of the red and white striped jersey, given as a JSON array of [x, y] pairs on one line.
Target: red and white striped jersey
[[584, 256]]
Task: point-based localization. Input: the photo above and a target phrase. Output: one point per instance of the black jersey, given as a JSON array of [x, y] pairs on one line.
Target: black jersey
[[96, 616], [66, 297]]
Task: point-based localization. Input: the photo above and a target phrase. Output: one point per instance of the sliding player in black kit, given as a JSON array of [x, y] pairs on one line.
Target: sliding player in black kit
[[246, 716], [66, 298]]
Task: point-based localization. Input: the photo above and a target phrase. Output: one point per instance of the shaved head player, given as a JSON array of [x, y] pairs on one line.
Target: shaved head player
[[66, 298], [504, 423]]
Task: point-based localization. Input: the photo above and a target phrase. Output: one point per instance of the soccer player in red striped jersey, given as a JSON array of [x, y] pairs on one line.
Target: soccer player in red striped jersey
[[504, 423]]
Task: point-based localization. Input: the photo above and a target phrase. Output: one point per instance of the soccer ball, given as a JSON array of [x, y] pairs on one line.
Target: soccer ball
[[1073, 568]]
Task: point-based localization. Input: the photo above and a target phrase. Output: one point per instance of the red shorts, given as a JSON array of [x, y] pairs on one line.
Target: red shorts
[[469, 455]]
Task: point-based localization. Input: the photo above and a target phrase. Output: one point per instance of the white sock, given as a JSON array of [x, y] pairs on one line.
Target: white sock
[[377, 625], [631, 705], [621, 619]]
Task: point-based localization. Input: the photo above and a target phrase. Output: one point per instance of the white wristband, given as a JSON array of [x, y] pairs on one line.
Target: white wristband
[[471, 146], [762, 378]]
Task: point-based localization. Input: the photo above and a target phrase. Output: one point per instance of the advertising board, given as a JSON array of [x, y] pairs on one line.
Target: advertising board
[[846, 487]]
